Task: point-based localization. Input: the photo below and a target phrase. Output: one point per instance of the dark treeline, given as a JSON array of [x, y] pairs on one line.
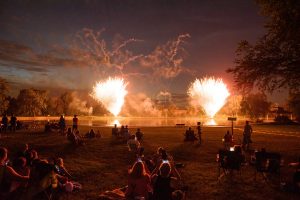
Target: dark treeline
[[36, 102]]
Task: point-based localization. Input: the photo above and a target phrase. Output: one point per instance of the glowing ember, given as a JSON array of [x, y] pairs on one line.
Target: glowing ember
[[209, 93], [111, 94]]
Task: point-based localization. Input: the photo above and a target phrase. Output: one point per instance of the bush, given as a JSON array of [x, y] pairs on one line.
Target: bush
[[283, 119]]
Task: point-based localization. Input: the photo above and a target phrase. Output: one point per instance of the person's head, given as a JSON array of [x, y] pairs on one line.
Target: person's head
[[190, 128], [75, 116], [25, 147], [34, 154], [165, 169], [159, 150], [115, 125], [141, 151], [247, 122], [60, 162], [177, 195], [137, 170], [227, 132], [164, 154], [238, 149], [3, 154], [198, 123], [132, 137], [19, 162]]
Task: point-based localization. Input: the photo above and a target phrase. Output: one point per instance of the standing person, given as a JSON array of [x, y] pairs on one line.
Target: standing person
[[199, 131], [115, 131], [227, 140], [247, 136], [62, 124], [5, 123], [139, 135], [75, 123], [13, 123]]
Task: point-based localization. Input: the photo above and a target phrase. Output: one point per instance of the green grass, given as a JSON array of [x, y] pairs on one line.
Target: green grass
[[102, 164]]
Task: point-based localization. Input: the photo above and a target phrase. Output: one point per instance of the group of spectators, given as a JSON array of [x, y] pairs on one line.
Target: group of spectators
[[191, 136], [124, 133], [6, 124], [262, 160], [30, 177], [151, 178], [154, 178]]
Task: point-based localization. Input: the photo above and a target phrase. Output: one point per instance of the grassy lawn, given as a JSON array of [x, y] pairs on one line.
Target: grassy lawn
[[101, 164]]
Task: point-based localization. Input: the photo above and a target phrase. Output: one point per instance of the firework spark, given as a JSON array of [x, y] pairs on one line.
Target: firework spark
[[111, 94], [209, 93]]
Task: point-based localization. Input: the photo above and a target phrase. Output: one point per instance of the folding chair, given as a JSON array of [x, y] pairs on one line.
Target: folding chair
[[228, 161], [267, 164]]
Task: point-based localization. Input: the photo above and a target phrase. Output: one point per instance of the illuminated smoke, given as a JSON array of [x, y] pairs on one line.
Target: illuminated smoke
[[209, 93], [166, 61], [111, 94]]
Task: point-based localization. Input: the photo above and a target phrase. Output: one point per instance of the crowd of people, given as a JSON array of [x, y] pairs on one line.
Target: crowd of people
[[151, 177], [27, 176]]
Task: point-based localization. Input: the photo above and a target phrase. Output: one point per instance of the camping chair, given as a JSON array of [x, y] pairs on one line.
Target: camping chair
[[228, 162], [267, 164]]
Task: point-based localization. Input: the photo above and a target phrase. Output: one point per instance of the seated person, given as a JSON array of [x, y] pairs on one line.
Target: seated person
[[47, 127], [42, 177], [190, 135], [8, 174], [165, 157], [139, 183], [139, 135], [91, 134], [163, 182], [178, 195], [133, 144], [20, 167], [227, 140], [60, 168]]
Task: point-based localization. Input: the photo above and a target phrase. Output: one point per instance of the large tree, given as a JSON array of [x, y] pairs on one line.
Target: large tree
[[32, 102], [3, 95], [294, 104], [255, 105], [274, 61]]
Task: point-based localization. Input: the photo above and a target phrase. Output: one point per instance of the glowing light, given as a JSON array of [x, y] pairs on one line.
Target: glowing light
[[210, 122], [117, 122], [209, 93], [111, 94]]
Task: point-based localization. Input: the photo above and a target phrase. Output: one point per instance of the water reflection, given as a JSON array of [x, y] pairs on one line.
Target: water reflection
[[210, 122], [148, 121]]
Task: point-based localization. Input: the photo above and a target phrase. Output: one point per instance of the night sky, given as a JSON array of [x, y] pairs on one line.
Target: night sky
[[41, 42]]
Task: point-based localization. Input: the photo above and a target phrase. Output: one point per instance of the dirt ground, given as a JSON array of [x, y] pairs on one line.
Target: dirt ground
[[102, 164]]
